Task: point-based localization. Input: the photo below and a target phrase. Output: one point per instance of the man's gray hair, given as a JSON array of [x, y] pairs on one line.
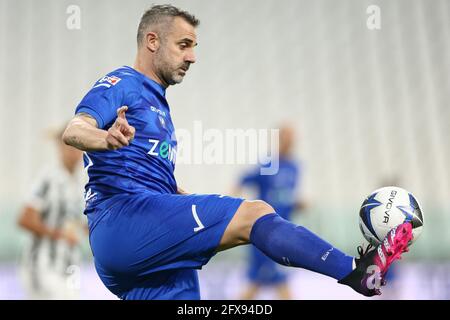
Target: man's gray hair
[[160, 14]]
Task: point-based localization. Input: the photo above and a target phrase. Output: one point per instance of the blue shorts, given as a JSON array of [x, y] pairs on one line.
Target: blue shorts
[[264, 271], [147, 246]]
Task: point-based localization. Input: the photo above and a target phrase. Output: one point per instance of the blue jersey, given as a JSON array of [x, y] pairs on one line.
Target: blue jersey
[[148, 163], [279, 190]]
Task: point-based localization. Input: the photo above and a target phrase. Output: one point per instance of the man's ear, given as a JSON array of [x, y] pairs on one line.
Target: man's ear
[[152, 41]]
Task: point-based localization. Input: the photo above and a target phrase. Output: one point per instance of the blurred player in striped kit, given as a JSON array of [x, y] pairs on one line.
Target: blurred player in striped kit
[[52, 214], [281, 191]]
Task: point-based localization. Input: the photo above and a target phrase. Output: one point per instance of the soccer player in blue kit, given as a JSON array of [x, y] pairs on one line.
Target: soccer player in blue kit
[[281, 191], [148, 237]]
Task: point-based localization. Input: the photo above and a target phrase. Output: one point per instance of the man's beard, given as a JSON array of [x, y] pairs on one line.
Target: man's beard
[[169, 74]]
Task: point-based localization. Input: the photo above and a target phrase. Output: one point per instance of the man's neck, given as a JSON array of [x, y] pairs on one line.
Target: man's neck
[[148, 70]]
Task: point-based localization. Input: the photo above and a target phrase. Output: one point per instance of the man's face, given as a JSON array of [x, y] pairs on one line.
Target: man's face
[[176, 52], [287, 137]]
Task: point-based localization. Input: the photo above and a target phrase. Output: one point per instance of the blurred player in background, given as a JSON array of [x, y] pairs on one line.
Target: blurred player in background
[[53, 216], [281, 191]]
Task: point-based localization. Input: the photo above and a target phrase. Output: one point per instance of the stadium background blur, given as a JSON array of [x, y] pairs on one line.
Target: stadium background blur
[[369, 105]]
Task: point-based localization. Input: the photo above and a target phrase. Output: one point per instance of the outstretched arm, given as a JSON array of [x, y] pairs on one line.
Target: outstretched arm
[[83, 133]]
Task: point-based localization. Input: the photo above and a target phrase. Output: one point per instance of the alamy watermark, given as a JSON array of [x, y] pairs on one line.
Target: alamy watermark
[[373, 21], [73, 280], [214, 146], [73, 21]]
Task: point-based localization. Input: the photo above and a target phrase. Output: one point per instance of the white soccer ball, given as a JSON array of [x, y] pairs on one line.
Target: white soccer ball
[[386, 208]]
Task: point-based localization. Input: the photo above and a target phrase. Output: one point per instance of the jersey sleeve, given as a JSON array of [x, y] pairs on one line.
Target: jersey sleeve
[[106, 96]]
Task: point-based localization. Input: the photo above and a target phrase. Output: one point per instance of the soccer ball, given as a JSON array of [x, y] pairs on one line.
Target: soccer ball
[[385, 209]]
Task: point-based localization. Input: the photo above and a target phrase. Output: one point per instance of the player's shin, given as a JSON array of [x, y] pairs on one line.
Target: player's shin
[[293, 245]]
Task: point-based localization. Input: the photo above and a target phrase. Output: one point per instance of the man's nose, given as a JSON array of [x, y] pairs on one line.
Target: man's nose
[[190, 57]]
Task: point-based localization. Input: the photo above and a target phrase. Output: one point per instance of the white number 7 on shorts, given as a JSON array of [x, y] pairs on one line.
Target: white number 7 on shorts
[[199, 223]]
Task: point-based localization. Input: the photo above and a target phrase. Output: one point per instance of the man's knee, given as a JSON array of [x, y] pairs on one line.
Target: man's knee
[[253, 210], [238, 231]]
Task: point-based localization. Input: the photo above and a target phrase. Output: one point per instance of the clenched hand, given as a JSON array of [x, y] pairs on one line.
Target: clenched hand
[[121, 133]]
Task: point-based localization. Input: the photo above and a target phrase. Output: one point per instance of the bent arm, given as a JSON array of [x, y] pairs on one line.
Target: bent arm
[[83, 134], [30, 219]]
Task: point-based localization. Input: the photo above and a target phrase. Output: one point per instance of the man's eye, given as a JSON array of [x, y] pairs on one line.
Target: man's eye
[[183, 46]]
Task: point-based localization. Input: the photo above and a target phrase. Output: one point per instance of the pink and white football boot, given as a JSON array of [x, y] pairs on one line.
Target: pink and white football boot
[[371, 267]]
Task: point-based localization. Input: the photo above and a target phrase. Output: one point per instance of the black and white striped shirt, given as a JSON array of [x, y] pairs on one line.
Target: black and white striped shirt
[[58, 196]]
